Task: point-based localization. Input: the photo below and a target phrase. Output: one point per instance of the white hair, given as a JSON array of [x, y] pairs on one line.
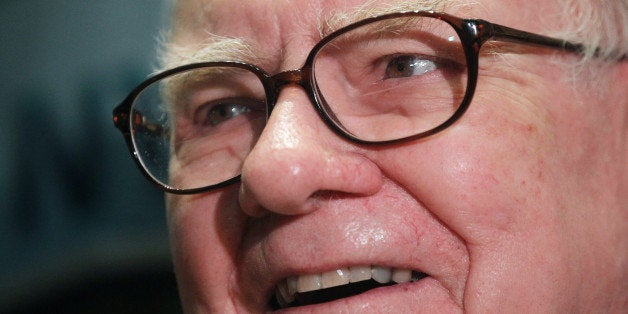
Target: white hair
[[601, 25]]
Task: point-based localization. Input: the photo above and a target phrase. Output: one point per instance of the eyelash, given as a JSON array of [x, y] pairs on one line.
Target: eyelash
[[391, 66], [447, 66], [226, 109]]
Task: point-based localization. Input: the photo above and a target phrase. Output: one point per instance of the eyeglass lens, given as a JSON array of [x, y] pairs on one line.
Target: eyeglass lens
[[386, 80], [207, 119], [393, 78]]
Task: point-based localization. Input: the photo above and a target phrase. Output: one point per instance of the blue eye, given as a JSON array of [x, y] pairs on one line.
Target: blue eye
[[409, 65]]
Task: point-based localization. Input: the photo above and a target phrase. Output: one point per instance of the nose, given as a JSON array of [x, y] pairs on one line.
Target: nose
[[297, 159]]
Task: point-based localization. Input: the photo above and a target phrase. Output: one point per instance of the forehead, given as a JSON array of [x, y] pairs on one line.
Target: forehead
[[264, 31], [198, 15]]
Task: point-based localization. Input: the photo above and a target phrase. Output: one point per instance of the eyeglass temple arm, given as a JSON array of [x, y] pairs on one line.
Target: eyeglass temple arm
[[121, 121], [504, 33]]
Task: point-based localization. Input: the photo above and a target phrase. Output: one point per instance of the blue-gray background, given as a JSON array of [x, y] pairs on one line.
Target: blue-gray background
[[80, 228]]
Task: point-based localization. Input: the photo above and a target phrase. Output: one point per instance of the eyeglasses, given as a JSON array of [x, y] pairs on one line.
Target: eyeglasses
[[387, 79]]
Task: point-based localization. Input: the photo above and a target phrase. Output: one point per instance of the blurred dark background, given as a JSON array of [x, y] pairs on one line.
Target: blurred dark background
[[81, 231]]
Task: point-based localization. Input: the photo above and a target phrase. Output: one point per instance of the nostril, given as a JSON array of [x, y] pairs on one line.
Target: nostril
[[298, 180], [295, 158], [248, 204]]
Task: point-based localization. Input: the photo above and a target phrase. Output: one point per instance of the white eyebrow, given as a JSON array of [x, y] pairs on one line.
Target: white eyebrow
[[220, 48], [214, 48], [369, 9]]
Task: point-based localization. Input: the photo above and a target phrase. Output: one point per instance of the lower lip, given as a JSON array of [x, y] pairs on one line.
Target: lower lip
[[426, 295]]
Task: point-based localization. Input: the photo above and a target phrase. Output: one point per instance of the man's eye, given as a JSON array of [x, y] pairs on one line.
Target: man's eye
[[222, 112], [409, 65]]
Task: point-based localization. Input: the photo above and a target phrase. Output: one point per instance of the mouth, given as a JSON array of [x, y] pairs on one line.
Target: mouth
[[337, 284]]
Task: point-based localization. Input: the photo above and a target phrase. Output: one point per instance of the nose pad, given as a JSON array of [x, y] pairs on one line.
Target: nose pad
[[298, 77], [296, 158]]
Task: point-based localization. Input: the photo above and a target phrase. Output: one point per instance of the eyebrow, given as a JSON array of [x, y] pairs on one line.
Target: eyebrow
[[214, 48], [338, 20], [220, 48]]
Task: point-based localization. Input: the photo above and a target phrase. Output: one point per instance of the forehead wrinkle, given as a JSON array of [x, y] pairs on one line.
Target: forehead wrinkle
[[337, 20]]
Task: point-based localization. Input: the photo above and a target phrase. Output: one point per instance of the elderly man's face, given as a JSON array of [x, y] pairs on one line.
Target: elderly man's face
[[516, 207]]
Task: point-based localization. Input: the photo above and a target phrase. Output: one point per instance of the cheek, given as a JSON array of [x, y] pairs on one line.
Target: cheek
[[480, 178], [491, 186], [205, 232]]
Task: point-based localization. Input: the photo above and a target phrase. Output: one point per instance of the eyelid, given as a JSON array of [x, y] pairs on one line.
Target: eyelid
[[385, 60], [413, 63], [200, 113]]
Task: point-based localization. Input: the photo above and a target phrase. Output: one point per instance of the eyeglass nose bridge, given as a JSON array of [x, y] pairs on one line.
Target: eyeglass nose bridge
[[299, 77]]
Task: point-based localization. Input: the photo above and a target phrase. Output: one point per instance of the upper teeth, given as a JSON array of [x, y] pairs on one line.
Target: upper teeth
[[287, 288]]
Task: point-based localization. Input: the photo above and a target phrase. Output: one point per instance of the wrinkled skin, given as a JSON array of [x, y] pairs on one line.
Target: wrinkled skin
[[518, 207]]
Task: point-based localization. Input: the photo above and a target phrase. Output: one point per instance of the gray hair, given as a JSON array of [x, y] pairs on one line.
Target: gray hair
[[601, 25]]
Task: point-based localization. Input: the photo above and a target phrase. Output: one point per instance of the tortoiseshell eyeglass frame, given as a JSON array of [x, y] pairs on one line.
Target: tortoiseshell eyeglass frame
[[473, 34]]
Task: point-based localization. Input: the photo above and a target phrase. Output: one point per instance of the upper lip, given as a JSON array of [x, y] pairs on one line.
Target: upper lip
[[280, 246]]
